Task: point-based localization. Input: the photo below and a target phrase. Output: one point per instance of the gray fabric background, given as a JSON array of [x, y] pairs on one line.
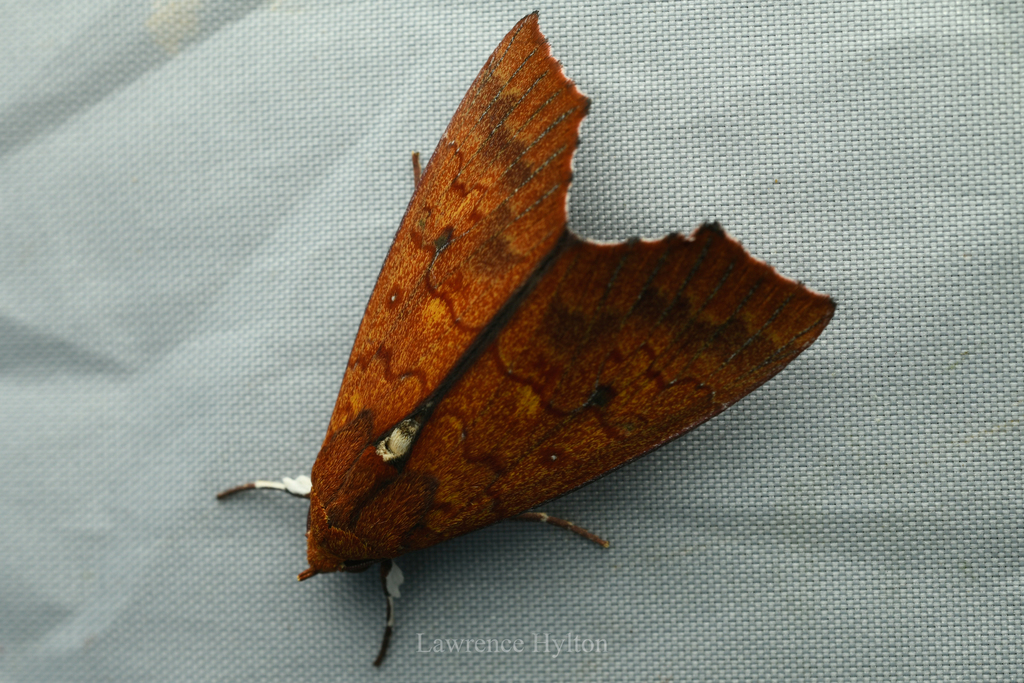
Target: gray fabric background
[[195, 200]]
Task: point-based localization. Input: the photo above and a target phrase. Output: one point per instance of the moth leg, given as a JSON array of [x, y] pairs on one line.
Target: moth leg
[[416, 173], [300, 486], [556, 521], [390, 579]]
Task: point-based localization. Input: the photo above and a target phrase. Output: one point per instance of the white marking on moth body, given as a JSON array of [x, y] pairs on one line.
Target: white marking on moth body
[[398, 443], [299, 486], [394, 579]]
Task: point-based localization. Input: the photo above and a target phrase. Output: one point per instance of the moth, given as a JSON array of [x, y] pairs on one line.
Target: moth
[[503, 361]]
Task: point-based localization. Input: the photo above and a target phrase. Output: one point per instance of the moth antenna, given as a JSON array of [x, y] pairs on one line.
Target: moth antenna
[[416, 172], [390, 579], [564, 524], [300, 487]]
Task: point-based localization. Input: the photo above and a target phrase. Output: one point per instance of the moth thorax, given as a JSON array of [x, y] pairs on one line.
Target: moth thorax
[[397, 444]]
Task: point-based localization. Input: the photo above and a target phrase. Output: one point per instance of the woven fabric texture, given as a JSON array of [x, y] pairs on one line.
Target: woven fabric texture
[[195, 200]]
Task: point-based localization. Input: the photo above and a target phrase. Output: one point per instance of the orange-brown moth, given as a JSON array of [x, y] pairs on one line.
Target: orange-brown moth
[[502, 361]]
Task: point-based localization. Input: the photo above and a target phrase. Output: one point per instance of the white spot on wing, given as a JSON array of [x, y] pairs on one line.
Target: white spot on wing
[[397, 444]]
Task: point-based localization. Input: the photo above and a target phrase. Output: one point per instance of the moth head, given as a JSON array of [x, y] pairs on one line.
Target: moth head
[[332, 549], [364, 501]]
